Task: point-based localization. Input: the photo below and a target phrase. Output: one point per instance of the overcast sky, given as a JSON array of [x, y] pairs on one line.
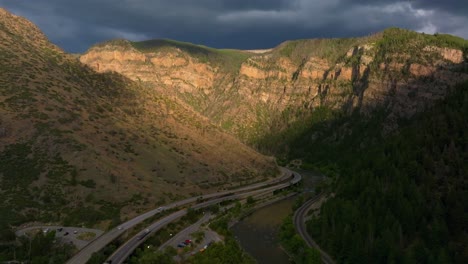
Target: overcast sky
[[75, 25]]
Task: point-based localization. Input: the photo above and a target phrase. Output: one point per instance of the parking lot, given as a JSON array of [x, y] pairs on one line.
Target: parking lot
[[78, 236]]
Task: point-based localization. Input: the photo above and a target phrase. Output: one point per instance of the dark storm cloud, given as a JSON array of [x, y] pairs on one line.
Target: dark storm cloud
[[247, 24], [451, 6]]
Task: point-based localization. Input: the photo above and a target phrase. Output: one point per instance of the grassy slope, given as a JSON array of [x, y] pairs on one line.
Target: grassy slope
[[227, 59], [75, 141]]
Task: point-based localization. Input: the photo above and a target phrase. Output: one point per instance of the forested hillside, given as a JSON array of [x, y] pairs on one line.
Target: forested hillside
[[401, 198]]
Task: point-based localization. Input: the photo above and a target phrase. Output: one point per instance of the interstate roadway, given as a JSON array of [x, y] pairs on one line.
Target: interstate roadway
[[124, 251], [85, 254]]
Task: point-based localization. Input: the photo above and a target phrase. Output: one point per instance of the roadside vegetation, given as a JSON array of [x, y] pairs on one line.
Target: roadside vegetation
[[295, 246], [227, 251], [38, 249]]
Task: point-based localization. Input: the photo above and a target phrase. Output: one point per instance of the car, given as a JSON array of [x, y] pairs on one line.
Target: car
[[187, 242], [60, 229], [205, 247], [181, 245], [120, 227], [45, 230], [75, 232], [202, 250], [145, 233], [66, 233]]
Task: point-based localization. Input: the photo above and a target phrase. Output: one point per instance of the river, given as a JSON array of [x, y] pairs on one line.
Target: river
[[258, 232]]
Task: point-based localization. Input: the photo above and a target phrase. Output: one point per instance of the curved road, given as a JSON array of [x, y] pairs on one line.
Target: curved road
[[299, 223], [124, 251], [85, 254]]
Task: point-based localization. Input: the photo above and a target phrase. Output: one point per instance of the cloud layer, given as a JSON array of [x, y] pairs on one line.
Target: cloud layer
[[243, 24]]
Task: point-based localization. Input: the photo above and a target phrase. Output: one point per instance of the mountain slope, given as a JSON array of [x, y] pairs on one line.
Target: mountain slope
[[403, 198], [265, 94], [77, 146], [381, 115]]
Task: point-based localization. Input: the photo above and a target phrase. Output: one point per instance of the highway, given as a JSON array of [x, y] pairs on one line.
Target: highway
[[85, 254], [299, 223], [124, 251], [185, 234]]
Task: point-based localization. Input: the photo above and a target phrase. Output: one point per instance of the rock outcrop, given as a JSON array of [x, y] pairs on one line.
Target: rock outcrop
[[277, 85]]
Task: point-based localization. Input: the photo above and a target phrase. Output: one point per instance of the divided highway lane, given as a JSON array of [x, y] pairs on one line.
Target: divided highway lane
[[85, 254], [299, 223], [124, 251], [184, 234], [121, 254]]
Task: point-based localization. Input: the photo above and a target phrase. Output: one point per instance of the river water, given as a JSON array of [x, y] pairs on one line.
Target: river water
[[258, 232]]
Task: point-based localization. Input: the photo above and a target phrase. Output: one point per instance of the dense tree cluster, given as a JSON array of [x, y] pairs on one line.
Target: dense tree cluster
[[228, 253], [36, 249], [400, 199], [296, 246]]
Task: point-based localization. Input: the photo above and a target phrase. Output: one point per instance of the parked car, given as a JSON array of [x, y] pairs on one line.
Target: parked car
[[181, 245], [187, 242], [45, 230], [66, 233], [75, 232], [60, 229]]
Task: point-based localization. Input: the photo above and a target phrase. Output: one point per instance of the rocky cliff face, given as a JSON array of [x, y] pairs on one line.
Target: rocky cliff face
[[402, 74]]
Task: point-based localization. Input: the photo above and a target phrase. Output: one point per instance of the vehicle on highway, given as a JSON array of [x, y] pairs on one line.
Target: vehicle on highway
[[145, 233], [126, 249], [75, 232], [66, 234], [120, 228], [60, 229]]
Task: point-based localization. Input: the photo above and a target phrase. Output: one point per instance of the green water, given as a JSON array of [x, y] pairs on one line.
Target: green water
[[258, 233]]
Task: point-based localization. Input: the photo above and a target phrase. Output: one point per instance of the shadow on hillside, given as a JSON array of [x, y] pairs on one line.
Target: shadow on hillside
[[350, 118]]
